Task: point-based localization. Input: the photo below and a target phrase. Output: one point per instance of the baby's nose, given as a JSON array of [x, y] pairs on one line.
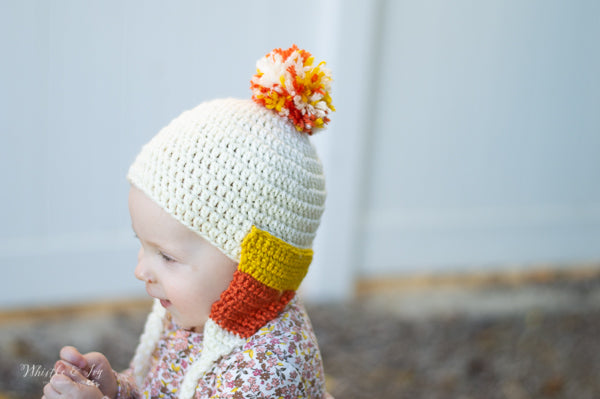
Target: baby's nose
[[142, 273]]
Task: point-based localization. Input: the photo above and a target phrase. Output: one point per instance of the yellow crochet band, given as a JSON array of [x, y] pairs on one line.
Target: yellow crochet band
[[274, 262]]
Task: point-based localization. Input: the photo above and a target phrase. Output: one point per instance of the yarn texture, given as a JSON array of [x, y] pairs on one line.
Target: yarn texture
[[287, 82], [229, 164], [274, 262]]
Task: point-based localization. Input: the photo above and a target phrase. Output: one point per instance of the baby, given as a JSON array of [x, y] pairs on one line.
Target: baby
[[225, 202]]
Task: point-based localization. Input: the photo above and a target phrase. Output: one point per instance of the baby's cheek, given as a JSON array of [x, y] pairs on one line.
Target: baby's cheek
[[209, 290], [199, 303]]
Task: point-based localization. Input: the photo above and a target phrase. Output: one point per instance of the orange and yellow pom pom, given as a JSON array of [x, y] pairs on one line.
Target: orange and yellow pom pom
[[288, 83]]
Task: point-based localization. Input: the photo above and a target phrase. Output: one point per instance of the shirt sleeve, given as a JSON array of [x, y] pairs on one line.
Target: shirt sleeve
[[126, 386]]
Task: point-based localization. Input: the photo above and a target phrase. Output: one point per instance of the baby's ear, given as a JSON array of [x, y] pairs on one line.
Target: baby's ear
[[71, 355]]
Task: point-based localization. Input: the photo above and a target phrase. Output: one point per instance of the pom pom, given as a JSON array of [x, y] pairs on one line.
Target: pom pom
[[288, 83]]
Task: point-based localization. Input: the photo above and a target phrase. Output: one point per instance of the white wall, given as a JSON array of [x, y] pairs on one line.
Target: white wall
[[466, 133], [485, 136]]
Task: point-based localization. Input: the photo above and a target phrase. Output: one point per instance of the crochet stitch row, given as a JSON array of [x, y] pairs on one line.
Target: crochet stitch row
[[274, 262], [247, 305]]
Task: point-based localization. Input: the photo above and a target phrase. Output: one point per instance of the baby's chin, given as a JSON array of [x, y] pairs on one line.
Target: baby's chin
[[184, 324]]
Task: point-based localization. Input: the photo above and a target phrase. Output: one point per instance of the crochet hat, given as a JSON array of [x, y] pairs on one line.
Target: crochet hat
[[243, 175]]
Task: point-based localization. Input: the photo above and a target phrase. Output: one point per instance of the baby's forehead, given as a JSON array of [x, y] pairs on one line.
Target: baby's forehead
[[150, 221]]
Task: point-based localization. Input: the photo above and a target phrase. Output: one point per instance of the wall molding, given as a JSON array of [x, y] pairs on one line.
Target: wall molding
[[468, 240]]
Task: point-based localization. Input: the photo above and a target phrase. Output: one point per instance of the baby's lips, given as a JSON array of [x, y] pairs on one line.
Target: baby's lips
[[165, 303]]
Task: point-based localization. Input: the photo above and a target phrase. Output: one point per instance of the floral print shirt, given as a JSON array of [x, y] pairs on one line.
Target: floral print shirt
[[282, 360]]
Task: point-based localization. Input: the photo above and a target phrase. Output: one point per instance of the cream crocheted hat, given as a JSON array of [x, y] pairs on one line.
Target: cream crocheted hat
[[244, 176]]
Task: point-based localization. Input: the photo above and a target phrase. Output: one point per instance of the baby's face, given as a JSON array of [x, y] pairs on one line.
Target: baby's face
[[184, 271]]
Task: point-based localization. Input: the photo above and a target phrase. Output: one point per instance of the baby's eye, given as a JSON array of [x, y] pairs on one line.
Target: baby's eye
[[165, 257]]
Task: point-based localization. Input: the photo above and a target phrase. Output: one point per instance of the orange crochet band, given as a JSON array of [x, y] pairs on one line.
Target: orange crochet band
[[247, 305], [272, 261], [287, 82]]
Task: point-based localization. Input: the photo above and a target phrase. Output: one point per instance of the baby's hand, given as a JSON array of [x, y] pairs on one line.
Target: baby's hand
[[61, 386], [92, 366]]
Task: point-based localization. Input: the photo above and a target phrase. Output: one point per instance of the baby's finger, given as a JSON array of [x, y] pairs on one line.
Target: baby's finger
[[61, 385], [71, 355], [70, 371], [67, 388], [50, 392]]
